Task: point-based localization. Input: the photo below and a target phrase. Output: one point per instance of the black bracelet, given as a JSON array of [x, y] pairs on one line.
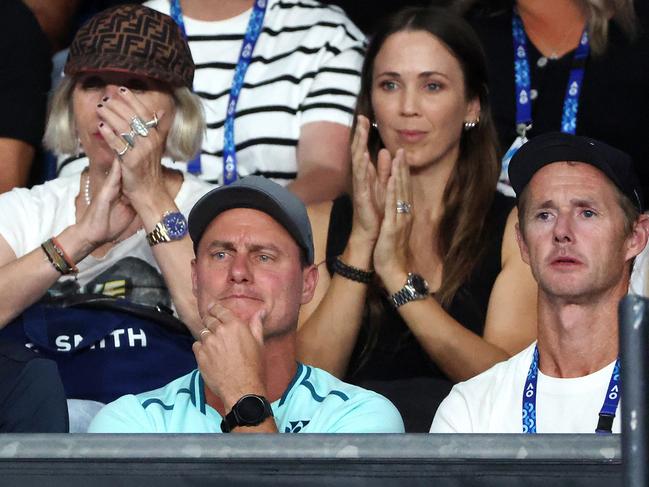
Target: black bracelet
[[351, 272]]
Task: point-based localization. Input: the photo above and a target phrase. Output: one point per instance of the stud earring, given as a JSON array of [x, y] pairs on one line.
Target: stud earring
[[471, 124], [375, 125]]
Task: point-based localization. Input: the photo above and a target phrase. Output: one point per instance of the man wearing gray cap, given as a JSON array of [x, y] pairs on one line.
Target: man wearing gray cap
[[253, 270], [579, 229]]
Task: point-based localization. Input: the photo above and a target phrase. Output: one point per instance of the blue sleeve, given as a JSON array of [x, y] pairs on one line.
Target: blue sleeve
[[369, 413], [125, 415]]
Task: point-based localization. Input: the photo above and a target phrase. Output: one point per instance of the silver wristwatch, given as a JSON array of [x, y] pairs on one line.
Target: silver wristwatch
[[414, 289]]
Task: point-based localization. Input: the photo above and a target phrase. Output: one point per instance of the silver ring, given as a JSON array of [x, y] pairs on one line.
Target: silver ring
[[129, 138], [403, 206], [151, 124], [123, 151], [138, 127], [204, 331]]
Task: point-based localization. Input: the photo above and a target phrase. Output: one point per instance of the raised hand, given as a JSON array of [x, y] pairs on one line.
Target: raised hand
[[369, 183], [109, 214], [142, 173], [391, 254], [229, 355]]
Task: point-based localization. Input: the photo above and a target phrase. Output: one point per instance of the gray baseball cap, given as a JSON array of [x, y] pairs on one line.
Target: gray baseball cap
[[257, 193]]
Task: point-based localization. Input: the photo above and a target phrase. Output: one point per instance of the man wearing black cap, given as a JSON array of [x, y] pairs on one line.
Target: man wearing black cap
[[580, 228], [253, 270]]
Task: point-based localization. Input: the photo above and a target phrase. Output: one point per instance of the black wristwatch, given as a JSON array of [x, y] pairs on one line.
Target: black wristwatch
[[250, 410], [415, 288]]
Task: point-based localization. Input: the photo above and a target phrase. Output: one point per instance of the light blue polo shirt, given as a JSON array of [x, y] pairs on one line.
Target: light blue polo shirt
[[314, 402]]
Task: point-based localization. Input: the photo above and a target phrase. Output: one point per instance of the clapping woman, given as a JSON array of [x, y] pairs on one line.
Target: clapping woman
[[425, 284]]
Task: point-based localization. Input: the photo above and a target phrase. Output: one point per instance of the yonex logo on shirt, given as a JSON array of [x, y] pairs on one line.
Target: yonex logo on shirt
[[296, 426]]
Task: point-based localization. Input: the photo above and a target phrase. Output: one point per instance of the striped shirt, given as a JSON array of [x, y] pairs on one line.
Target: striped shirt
[[314, 402], [305, 68]]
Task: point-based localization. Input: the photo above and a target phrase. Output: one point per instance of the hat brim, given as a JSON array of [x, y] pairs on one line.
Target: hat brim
[[222, 199], [550, 148], [118, 63]]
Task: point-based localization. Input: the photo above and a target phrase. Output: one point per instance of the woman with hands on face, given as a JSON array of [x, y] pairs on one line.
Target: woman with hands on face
[[125, 103], [426, 286]]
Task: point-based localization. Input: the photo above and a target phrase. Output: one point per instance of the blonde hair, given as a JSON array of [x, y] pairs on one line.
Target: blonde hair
[[599, 12], [598, 15], [183, 141]]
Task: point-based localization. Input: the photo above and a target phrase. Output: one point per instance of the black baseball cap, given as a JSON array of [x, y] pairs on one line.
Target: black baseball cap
[[257, 193], [556, 147]]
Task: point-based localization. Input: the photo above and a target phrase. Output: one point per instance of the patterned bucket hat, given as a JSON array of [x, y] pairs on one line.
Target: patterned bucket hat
[[133, 39]]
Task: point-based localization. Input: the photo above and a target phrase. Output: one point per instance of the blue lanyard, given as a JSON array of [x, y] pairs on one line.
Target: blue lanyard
[[606, 414], [255, 24], [523, 83]]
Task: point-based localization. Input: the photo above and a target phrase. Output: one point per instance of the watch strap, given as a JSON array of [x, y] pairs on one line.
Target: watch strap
[[402, 297], [157, 235]]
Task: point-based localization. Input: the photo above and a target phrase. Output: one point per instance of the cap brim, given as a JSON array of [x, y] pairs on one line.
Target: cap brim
[[227, 198], [118, 63]]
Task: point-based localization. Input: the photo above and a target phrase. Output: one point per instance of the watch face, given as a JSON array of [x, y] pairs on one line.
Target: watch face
[[418, 283], [251, 410], [176, 225]]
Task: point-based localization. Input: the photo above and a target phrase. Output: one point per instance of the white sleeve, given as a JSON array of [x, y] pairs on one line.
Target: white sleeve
[[453, 415], [20, 222]]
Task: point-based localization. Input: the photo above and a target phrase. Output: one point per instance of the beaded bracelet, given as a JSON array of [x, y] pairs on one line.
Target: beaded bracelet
[[351, 272]]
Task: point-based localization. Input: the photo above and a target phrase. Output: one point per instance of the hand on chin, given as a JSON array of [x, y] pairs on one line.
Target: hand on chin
[[243, 308]]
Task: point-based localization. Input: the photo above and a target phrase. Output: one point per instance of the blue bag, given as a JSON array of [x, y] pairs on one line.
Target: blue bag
[[106, 347]]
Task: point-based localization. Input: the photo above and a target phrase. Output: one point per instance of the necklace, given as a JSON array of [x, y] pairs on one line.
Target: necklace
[[86, 190], [549, 44]]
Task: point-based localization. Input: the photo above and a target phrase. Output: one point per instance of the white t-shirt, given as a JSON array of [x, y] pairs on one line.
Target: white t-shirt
[[305, 68], [31, 216], [492, 401]]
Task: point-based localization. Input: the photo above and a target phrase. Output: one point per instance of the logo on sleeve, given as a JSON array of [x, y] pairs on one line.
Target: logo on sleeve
[[296, 426]]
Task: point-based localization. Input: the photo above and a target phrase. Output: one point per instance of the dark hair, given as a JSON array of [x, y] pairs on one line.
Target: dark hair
[[471, 186]]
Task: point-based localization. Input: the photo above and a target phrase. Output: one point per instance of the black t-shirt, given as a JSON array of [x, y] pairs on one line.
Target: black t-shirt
[[614, 101], [25, 67], [395, 364], [397, 354]]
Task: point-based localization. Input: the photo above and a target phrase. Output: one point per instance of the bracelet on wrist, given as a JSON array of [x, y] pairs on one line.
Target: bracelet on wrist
[[352, 273], [59, 250], [58, 258]]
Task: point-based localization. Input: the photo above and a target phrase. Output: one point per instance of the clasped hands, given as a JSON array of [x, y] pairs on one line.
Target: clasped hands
[[136, 176], [383, 206]]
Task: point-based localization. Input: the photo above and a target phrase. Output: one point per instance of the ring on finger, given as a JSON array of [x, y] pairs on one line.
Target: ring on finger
[[403, 206], [204, 331], [138, 126], [123, 151], [153, 123], [129, 138]]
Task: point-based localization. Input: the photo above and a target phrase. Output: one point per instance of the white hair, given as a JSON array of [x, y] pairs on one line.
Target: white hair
[[183, 141]]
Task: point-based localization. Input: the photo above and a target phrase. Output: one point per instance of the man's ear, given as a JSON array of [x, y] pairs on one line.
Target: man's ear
[[637, 240], [525, 254], [309, 283], [194, 285]]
